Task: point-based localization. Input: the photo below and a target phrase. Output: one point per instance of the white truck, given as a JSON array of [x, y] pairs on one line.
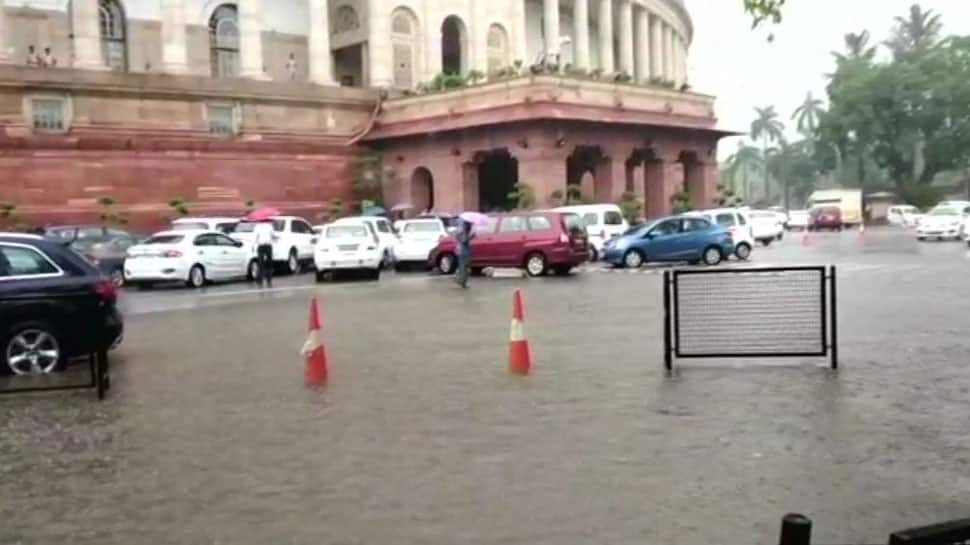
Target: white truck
[[849, 202]]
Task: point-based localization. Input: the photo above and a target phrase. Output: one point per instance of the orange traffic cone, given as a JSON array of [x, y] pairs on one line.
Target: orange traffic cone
[[520, 356], [313, 349]]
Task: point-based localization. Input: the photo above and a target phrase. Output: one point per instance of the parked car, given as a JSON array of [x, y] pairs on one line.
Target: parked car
[[224, 225], [348, 245], [418, 238], [736, 221], [387, 238], [903, 215], [108, 256], [945, 221], [689, 237], [71, 234], [293, 241], [766, 227], [537, 241], [825, 217], [54, 306], [194, 257], [798, 219], [602, 221]]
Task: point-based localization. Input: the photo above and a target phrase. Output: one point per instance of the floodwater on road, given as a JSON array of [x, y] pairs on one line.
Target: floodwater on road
[[422, 437]]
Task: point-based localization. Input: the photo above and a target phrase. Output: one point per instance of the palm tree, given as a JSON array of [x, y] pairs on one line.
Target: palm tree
[[856, 48], [917, 33], [806, 116], [768, 129], [741, 163]]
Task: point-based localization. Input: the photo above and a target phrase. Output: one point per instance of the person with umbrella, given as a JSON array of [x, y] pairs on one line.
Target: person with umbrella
[[264, 236], [465, 235]]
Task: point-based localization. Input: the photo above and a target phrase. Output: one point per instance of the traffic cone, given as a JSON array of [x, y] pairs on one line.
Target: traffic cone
[[313, 349], [520, 356]]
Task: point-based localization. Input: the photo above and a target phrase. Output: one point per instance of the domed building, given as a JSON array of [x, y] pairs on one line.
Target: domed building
[[218, 103]]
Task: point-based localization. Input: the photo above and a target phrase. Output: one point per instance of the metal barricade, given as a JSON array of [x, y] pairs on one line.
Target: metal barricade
[[775, 312], [99, 380]]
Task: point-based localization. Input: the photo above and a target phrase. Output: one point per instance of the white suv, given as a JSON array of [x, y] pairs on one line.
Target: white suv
[[387, 239], [765, 226], [293, 240], [603, 222], [737, 223]]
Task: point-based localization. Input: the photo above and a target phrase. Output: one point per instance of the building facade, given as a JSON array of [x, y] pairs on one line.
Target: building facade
[[220, 102]]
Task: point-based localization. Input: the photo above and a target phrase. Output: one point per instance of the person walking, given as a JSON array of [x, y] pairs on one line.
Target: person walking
[[264, 251], [465, 235]]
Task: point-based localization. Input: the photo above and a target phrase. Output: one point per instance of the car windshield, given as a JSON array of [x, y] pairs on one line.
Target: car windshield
[[945, 211], [246, 227], [421, 227], [189, 226], [573, 221], [346, 231], [164, 239]]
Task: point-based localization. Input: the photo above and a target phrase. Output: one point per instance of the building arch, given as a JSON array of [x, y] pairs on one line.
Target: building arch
[[404, 47], [454, 45], [224, 41], [422, 189], [497, 48], [345, 19], [114, 34]]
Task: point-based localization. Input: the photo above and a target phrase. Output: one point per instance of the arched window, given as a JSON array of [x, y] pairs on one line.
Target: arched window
[[112, 22], [454, 45], [404, 45], [224, 41], [498, 48], [345, 20]]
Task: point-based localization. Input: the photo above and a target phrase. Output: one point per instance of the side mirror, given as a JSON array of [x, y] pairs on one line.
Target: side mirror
[[313, 240], [238, 244]]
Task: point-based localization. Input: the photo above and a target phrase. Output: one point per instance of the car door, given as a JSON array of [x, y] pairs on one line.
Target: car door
[[303, 237], [483, 243], [234, 258], [207, 253], [283, 241], [693, 238], [661, 242], [510, 241], [389, 240]]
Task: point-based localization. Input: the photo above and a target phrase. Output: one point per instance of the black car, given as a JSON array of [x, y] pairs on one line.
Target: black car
[[54, 306], [86, 234]]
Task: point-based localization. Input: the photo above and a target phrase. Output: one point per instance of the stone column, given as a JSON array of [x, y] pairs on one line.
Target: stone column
[[519, 48], [612, 174], [550, 28], [87, 35], [251, 39], [379, 44], [626, 37], [581, 34], [656, 48], [4, 54], [320, 59], [668, 53], [543, 168], [658, 191], [606, 36], [641, 37], [700, 182], [174, 52]]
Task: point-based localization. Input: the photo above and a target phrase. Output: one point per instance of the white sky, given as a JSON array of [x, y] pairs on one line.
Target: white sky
[[743, 70]]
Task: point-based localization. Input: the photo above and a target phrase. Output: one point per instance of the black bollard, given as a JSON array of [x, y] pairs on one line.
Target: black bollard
[[795, 530]]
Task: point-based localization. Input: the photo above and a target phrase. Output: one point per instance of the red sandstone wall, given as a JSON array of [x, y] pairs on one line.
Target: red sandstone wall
[[53, 186]]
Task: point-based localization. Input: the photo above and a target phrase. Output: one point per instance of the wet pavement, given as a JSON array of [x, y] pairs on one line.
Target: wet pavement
[[208, 435]]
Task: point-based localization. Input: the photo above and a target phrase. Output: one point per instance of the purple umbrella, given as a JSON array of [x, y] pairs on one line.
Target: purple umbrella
[[474, 218], [403, 207]]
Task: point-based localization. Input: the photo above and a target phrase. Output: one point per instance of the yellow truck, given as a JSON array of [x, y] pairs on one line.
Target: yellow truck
[[849, 202]]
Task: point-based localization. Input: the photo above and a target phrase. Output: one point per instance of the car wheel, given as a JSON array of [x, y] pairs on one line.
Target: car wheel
[[375, 274], [446, 263], [320, 276], [712, 256], [32, 348], [252, 271], [593, 254], [535, 264], [293, 262], [196, 277], [117, 277], [387, 262], [633, 259], [743, 251]]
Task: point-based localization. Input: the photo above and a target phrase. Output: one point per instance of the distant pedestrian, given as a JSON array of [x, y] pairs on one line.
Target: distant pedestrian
[[291, 66], [49, 60], [32, 58], [465, 235], [264, 235]]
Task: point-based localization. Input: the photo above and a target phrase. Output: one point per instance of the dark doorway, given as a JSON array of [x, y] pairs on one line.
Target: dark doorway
[[348, 65], [581, 179], [498, 172], [452, 45], [422, 190]]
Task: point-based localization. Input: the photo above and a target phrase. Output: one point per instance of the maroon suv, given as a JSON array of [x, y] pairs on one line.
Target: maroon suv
[[825, 217], [536, 241]]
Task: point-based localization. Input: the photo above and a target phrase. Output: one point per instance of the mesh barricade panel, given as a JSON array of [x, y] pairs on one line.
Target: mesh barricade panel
[[749, 313]]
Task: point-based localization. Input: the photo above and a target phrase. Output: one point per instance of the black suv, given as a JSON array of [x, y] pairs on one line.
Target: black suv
[[54, 306]]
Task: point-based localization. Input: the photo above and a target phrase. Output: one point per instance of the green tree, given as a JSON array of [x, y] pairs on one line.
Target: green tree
[[109, 215], [8, 215], [857, 48], [806, 116], [741, 165], [369, 177], [768, 129], [764, 11], [523, 196], [916, 33], [181, 207], [630, 207]]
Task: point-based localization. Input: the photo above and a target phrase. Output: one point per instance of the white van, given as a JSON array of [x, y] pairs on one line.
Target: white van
[[602, 221]]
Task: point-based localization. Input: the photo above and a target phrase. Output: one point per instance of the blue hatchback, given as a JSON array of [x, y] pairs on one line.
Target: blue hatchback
[[680, 238]]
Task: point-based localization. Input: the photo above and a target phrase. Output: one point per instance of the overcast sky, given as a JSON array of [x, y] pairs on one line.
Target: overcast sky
[[743, 70]]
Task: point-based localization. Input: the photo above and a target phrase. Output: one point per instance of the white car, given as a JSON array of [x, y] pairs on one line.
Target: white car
[[603, 222], [387, 239], [903, 215], [737, 223], [191, 256], [943, 222], [293, 240], [765, 226], [224, 225], [798, 219], [418, 238], [346, 246]]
